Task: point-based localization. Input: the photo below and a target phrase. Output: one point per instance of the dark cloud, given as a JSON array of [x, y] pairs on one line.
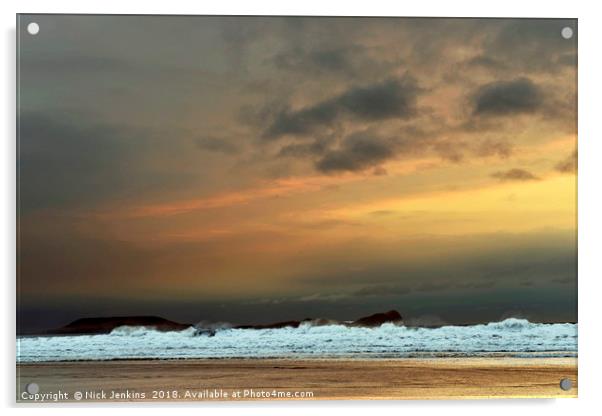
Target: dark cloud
[[457, 150], [356, 152], [568, 165], [393, 98], [367, 149], [515, 175], [215, 144], [313, 148], [499, 98]]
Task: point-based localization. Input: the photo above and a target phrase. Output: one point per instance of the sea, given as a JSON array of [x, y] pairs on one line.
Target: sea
[[511, 337]]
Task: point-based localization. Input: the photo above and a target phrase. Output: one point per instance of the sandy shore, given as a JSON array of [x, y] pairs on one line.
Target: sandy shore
[[271, 379]]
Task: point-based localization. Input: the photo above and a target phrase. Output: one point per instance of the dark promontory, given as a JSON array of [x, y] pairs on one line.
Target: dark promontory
[[378, 319], [106, 325]]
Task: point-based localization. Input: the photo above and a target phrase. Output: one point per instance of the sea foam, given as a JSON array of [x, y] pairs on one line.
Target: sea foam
[[510, 337]]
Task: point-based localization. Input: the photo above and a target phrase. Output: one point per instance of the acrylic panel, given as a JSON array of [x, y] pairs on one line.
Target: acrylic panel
[[295, 208]]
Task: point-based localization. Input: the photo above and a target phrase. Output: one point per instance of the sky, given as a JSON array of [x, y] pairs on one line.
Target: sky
[[257, 169]]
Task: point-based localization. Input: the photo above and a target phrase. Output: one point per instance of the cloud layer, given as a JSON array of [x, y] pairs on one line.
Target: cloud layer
[[515, 174], [389, 99], [508, 97]]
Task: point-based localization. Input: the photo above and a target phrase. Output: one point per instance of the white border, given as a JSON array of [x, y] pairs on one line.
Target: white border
[[590, 173], [458, 8]]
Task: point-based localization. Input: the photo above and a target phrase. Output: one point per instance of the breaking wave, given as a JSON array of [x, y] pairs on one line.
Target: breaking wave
[[510, 337]]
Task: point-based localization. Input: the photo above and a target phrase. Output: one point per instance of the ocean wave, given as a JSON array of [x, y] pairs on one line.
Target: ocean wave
[[141, 331], [512, 336], [512, 324]]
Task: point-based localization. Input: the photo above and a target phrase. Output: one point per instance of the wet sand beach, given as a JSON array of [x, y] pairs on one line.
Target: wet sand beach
[[277, 379]]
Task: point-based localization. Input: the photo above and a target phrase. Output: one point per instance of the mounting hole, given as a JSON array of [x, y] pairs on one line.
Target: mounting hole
[[566, 32], [33, 28], [566, 384], [32, 388]]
